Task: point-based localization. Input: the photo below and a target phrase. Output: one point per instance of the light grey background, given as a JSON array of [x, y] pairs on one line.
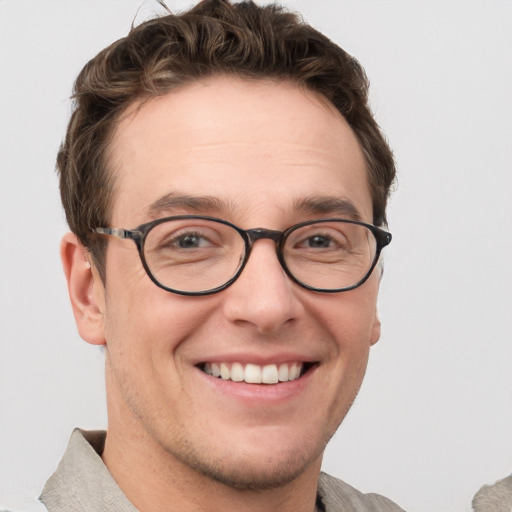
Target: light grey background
[[433, 421]]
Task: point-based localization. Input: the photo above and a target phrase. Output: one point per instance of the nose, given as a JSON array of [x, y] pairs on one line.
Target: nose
[[263, 296]]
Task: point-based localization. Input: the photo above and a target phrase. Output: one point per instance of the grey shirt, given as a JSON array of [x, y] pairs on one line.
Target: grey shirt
[[494, 498], [83, 483]]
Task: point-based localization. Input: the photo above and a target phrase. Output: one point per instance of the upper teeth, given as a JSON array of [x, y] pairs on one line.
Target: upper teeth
[[253, 373]]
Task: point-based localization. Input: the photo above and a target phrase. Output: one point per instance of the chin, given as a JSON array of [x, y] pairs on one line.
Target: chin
[[251, 476], [256, 470]]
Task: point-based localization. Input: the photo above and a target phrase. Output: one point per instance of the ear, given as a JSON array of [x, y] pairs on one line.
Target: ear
[[375, 335], [86, 290]]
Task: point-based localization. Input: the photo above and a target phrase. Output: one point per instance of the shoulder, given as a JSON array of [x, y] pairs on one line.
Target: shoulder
[[337, 495], [494, 498]]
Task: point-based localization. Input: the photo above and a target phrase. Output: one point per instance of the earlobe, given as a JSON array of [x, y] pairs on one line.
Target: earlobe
[[85, 290], [375, 335]]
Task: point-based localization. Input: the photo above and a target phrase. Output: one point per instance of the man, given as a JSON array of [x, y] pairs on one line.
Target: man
[[225, 184]]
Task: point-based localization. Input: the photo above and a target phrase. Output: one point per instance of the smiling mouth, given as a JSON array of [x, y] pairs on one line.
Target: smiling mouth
[[256, 374]]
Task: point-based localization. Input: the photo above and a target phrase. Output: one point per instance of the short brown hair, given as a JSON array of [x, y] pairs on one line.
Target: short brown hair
[[214, 37]]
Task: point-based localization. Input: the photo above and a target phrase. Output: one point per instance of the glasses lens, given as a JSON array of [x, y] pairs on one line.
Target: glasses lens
[[193, 255], [330, 255]]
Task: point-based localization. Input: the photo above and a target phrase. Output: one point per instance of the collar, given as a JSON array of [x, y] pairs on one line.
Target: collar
[[82, 482]]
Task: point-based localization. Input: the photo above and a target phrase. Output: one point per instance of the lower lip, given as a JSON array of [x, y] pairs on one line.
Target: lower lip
[[266, 394]]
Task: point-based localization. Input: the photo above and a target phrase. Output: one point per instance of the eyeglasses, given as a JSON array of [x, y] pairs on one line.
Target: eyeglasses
[[198, 255]]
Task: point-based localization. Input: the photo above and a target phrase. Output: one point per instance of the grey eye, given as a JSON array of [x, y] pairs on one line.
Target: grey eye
[[190, 241], [318, 241]]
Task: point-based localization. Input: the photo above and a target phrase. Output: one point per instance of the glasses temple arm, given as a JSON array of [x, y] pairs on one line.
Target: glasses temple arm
[[119, 233]]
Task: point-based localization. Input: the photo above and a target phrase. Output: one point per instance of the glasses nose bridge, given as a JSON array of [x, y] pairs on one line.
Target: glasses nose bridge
[[256, 234], [262, 233]]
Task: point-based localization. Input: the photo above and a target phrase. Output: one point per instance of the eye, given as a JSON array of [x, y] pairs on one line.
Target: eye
[[189, 241], [318, 241], [169, 237], [328, 239]]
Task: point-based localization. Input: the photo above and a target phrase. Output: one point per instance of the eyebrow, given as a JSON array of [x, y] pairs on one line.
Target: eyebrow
[[314, 205], [197, 204], [328, 205]]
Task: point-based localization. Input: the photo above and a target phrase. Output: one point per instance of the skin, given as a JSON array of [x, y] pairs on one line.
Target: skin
[[175, 435]]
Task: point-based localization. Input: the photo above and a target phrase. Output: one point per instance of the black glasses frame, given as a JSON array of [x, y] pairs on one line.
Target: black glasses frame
[[250, 236]]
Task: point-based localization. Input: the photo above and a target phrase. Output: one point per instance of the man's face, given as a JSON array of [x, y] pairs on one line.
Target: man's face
[[258, 149]]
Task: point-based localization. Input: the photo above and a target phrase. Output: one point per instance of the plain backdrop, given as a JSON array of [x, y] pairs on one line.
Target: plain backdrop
[[433, 420]]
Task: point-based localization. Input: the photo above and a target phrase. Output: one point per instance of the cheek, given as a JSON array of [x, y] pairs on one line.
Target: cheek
[[349, 317], [143, 321]]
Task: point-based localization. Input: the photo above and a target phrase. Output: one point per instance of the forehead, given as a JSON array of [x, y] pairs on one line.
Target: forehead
[[259, 147]]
